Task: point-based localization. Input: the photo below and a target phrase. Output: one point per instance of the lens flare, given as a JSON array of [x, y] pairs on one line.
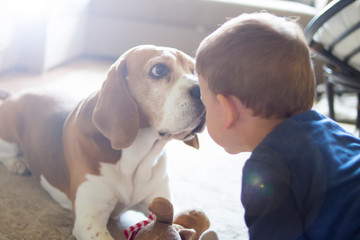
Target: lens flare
[[254, 179]]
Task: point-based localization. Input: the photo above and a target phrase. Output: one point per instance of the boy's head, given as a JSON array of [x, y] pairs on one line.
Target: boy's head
[[261, 59]]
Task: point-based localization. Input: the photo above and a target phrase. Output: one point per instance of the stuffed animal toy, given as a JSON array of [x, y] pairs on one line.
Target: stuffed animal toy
[[188, 225]]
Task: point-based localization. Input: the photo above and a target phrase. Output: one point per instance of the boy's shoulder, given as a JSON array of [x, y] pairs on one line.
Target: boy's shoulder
[[311, 127], [308, 135]]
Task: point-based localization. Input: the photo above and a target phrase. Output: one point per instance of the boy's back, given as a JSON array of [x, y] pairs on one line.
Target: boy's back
[[303, 182]]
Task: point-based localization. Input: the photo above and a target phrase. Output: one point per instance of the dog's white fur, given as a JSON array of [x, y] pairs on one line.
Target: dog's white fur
[[96, 189]]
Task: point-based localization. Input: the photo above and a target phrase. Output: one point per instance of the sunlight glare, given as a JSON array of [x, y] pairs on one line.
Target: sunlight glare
[[37, 9]]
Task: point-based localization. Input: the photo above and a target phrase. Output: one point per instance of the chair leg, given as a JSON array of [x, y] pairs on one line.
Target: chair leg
[[357, 124], [330, 98]]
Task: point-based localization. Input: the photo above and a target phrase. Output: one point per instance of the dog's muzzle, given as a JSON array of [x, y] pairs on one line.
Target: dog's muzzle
[[201, 125], [199, 122]]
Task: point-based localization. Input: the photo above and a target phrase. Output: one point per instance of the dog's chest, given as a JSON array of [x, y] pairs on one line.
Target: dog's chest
[[137, 172], [142, 153]]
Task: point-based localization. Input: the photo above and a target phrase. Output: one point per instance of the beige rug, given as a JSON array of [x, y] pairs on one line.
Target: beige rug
[[27, 212]]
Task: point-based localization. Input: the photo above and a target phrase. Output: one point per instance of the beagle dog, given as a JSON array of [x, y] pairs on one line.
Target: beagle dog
[[104, 155]]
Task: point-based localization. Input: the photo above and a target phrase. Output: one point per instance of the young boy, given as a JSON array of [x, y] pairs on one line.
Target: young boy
[[302, 180]]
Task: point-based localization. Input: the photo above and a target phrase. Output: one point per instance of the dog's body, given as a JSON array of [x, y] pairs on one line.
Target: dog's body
[[104, 155]]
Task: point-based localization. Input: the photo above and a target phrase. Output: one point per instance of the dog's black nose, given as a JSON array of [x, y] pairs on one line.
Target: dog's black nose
[[195, 92]]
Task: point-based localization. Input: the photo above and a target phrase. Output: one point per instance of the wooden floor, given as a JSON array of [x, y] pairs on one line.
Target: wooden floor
[[208, 178]]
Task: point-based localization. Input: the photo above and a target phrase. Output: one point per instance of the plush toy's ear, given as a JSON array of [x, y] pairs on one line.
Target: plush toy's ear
[[209, 235], [187, 234], [116, 113], [163, 210], [194, 142]]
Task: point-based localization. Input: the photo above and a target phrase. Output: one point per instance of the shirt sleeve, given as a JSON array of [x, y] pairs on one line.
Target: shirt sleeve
[[271, 210]]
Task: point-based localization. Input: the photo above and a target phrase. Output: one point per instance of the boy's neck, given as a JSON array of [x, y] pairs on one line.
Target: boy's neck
[[258, 128]]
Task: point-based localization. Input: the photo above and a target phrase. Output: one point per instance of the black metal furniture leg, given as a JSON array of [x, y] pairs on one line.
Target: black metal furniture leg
[[330, 98], [357, 124]]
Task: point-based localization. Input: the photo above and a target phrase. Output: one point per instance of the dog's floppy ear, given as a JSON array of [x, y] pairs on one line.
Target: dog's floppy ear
[[194, 142], [116, 113]]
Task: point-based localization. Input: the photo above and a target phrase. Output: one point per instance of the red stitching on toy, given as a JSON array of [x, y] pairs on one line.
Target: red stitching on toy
[[131, 231]]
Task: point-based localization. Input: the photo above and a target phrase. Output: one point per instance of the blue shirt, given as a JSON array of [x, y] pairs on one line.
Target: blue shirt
[[303, 182]]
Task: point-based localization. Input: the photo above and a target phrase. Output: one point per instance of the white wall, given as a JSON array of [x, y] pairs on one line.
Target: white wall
[[66, 29], [117, 25], [48, 34]]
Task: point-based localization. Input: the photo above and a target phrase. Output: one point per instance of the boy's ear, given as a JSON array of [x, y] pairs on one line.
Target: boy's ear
[[230, 109]]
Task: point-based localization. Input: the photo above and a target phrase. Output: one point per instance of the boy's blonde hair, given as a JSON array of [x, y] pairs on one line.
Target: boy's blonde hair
[[261, 59]]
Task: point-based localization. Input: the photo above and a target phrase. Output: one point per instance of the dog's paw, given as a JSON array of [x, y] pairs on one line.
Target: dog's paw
[[16, 165]]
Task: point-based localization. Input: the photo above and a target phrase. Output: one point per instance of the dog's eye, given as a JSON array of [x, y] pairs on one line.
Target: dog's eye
[[158, 71]]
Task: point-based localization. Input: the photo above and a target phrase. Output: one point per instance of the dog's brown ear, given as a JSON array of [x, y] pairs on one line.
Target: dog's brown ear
[[116, 113], [194, 142]]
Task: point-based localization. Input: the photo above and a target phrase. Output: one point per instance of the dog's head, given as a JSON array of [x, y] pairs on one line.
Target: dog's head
[[150, 86]]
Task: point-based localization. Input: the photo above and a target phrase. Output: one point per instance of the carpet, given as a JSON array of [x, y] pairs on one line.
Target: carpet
[[28, 213]]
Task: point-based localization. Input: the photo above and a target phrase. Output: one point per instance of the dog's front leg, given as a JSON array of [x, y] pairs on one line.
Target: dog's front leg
[[93, 205], [162, 190]]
